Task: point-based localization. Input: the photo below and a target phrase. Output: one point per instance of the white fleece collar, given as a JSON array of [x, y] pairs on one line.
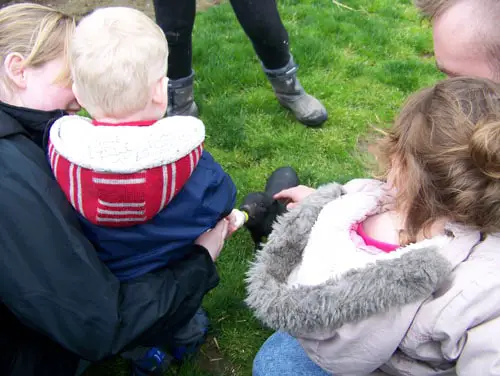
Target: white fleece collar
[[125, 149]]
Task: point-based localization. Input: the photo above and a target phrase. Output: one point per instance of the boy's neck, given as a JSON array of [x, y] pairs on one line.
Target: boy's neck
[[140, 123], [145, 115], [127, 119]]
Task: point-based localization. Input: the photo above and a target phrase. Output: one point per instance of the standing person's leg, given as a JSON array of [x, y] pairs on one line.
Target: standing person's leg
[[262, 23], [281, 355], [176, 18]]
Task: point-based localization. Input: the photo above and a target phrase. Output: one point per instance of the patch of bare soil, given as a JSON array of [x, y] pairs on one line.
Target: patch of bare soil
[[211, 359], [80, 7]]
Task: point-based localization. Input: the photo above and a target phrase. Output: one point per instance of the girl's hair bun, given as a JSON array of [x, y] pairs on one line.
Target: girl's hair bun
[[484, 147]]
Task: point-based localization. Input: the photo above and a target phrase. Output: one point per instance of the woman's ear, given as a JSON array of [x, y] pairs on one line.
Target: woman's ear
[[15, 69], [160, 92]]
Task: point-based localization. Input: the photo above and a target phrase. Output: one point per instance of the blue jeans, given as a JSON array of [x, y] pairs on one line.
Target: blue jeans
[[282, 355]]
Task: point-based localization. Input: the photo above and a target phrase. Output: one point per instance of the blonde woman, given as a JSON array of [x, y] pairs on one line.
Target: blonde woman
[[58, 302]]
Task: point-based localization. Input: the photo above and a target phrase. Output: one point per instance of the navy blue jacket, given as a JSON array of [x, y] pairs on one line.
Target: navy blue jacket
[[129, 252]]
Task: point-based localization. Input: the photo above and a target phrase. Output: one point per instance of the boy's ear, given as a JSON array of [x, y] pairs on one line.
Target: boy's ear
[[15, 70], [76, 94], [160, 92]]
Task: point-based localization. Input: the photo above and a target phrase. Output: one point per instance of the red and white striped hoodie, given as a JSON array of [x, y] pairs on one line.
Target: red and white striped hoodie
[[121, 175]]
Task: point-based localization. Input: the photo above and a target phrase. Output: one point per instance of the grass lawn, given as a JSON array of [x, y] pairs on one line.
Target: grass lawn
[[361, 62]]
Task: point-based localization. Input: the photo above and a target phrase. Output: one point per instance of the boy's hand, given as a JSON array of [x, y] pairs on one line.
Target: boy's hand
[[236, 219], [213, 239]]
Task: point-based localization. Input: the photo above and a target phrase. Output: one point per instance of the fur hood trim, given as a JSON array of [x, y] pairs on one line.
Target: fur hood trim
[[354, 296]]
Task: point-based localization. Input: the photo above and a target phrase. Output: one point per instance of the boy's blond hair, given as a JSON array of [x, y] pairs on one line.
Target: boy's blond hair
[[38, 33], [116, 56], [446, 146]]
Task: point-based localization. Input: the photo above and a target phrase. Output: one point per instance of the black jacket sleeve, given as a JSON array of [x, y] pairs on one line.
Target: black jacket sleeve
[[52, 280]]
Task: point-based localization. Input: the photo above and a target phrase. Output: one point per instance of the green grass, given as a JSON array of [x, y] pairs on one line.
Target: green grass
[[361, 63]]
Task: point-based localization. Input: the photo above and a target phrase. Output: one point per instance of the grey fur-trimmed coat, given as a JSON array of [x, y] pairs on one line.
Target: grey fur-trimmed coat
[[430, 311]]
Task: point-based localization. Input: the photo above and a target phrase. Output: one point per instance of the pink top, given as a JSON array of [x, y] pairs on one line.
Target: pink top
[[385, 247]]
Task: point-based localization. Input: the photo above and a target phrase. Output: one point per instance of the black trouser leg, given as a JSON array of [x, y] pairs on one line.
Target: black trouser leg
[[259, 18], [262, 23], [176, 18]]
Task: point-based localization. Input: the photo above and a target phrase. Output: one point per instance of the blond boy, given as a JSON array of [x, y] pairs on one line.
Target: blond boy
[[143, 184]]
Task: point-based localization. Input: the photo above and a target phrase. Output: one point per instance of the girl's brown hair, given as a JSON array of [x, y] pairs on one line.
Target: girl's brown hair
[[40, 34], [445, 144]]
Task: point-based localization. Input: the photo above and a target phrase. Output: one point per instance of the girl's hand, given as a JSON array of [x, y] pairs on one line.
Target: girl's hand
[[295, 195], [213, 239]]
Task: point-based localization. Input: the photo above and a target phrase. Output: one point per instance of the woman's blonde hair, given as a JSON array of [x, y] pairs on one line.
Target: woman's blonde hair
[[445, 147], [40, 34]]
